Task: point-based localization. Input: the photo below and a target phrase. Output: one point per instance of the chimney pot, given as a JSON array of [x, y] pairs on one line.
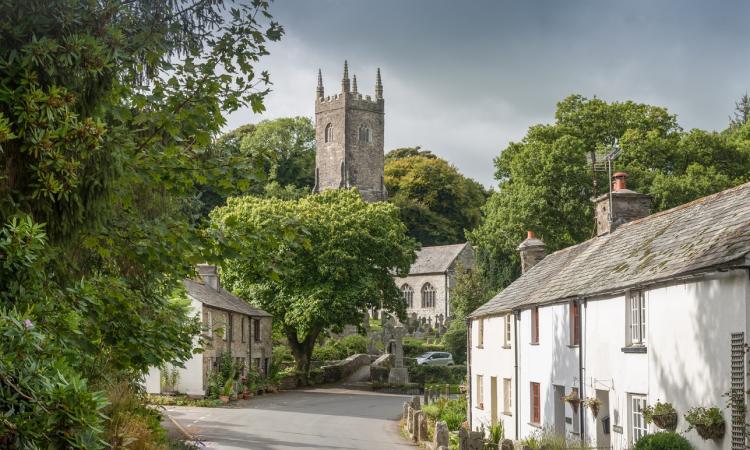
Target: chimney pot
[[532, 250], [530, 234], [619, 183]]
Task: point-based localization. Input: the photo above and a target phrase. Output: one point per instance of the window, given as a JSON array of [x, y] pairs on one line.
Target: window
[[637, 423], [428, 296], [408, 293], [209, 324], [329, 133], [230, 326], [225, 328], [365, 134], [242, 329], [480, 333], [507, 392], [480, 392], [575, 324], [535, 325], [536, 408], [256, 330], [507, 336], [637, 318]]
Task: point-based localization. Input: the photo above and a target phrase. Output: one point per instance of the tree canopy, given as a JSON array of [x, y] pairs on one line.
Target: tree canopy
[[437, 203], [283, 152], [341, 267], [106, 111], [546, 181]]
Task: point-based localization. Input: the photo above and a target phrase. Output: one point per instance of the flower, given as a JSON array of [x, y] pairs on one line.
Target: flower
[[28, 324]]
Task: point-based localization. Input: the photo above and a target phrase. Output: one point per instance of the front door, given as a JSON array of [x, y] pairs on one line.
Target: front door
[[559, 410], [493, 396], [603, 432]]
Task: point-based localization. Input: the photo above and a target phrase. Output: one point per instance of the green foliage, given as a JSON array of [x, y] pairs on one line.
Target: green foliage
[[182, 400], [709, 422], [283, 151], [106, 111], [336, 349], [471, 290], [496, 432], [546, 439], [665, 440], [414, 347], [436, 202], [452, 412], [546, 184], [662, 414], [423, 374], [337, 254]]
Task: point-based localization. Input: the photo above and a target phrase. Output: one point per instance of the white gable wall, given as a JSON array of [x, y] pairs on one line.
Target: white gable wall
[[493, 360]]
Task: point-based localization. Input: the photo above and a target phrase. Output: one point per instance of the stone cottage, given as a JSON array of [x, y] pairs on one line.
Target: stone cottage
[[230, 324], [655, 308], [426, 290]]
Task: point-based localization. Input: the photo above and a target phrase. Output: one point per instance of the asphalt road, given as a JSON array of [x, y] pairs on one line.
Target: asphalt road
[[324, 418]]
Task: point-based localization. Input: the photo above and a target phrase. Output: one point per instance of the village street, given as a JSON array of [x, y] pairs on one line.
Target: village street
[[321, 418]]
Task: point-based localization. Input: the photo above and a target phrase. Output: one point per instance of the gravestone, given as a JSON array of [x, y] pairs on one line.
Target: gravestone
[[422, 435], [470, 440], [398, 375], [418, 415], [442, 436]]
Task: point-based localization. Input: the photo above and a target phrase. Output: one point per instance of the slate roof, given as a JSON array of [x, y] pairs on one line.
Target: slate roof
[[436, 259], [691, 238], [221, 299]]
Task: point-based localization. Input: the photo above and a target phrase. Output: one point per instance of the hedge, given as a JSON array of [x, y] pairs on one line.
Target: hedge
[[415, 347], [437, 374], [665, 440]]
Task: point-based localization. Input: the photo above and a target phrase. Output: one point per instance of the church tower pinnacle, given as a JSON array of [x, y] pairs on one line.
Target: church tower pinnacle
[[349, 130]]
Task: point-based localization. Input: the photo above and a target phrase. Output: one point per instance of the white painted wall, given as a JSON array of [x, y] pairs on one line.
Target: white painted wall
[[492, 360], [552, 362], [688, 350]]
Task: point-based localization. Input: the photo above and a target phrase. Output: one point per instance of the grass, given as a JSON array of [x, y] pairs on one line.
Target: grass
[[182, 400]]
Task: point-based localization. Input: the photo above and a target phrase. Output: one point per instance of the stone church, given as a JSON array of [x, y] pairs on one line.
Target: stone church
[[349, 137]]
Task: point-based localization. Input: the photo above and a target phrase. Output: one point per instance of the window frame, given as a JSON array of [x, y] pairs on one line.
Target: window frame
[[428, 294], [480, 391], [480, 332], [636, 318], [328, 133], [637, 425], [209, 324], [407, 292], [535, 325], [574, 313], [507, 331], [367, 134], [256, 330], [507, 396], [243, 335], [535, 402]]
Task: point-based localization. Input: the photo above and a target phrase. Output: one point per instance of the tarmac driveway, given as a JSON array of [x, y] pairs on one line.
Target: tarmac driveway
[[322, 418]]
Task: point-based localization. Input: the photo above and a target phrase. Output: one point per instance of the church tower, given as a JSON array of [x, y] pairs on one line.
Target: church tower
[[349, 139]]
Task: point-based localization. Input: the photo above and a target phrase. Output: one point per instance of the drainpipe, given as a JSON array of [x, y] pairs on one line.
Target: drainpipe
[[517, 320], [446, 297], [581, 384], [468, 369]]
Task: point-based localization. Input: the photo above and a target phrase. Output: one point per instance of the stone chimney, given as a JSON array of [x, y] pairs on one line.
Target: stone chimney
[[209, 275], [626, 205], [532, 251]]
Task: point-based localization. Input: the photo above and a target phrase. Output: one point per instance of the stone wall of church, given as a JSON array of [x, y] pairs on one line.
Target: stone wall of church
[[417, 282]]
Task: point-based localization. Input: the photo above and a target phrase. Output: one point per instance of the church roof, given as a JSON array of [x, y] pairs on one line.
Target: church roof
[[221, 299], [436, 259], [696, 237]]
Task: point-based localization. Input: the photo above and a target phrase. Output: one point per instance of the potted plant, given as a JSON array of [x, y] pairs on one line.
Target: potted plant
[[226, 391], [708, 422], [573, 399], [663, 415], [594, 404]]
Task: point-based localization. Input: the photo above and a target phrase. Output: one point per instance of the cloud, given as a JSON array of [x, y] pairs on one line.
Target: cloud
[[465, 78]]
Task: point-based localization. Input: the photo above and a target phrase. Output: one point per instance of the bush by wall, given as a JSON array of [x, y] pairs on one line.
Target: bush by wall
[[437, 374], [415, 347], [337, 349], [665, 440]]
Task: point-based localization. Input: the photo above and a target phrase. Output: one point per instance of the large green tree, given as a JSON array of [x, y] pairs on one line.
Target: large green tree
[[546, 181], [340, 269], [437, 203], [284, 154], [106, 109]]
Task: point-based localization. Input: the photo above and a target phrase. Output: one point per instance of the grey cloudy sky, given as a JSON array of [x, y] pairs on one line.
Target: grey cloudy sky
[[464, 78]]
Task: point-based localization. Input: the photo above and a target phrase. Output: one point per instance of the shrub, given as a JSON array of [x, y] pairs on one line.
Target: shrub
[[415, 347], [454, 341], [665, 440], [337, 349], [423, 374]]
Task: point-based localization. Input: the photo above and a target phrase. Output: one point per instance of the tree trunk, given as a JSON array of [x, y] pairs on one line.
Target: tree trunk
[[302, 352]]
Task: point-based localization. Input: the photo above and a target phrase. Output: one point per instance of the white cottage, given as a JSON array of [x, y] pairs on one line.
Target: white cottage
[[654, 308], [426, 290]]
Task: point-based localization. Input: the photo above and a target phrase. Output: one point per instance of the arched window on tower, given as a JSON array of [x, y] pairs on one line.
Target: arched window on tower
[[408, 293], [365, 134], [329, 133], [428, 296]]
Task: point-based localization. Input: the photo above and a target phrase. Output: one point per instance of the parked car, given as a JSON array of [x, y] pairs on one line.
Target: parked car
[[435, 359]]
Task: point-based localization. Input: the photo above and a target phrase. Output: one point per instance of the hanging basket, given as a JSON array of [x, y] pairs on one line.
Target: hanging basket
[[713, 431], [667, 421]]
